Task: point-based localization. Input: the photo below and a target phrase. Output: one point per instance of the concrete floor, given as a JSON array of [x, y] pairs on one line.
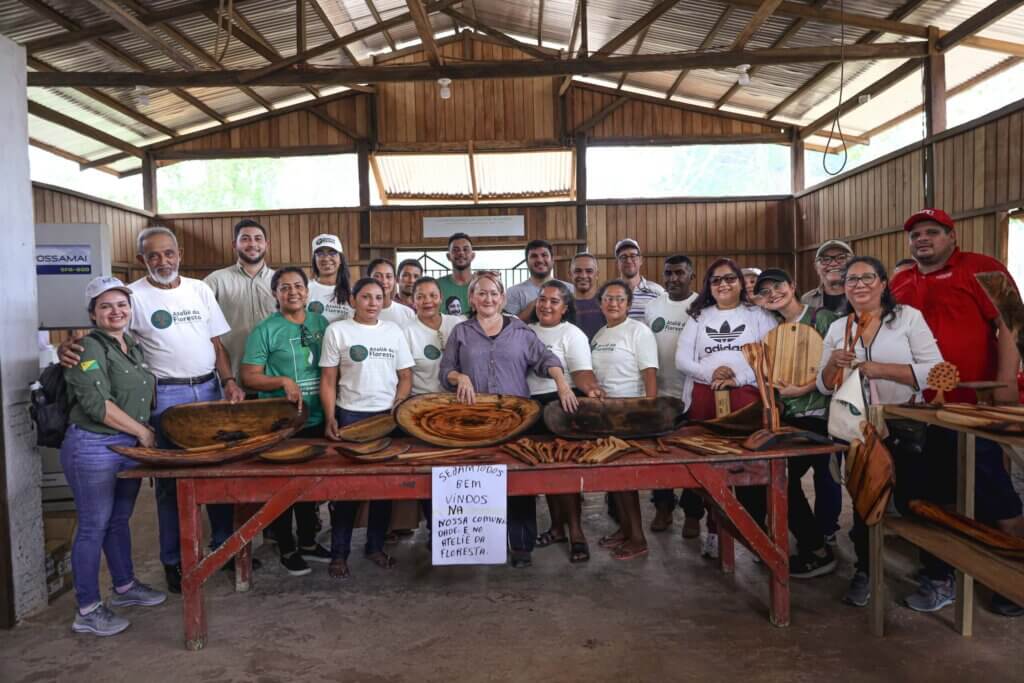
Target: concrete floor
[[669, 616]]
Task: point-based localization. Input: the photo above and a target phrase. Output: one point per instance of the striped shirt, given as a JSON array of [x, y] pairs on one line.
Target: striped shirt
[[645, 292]]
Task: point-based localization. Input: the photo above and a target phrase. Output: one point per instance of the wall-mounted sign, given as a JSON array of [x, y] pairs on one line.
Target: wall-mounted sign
[[474, 226], [63, 259]]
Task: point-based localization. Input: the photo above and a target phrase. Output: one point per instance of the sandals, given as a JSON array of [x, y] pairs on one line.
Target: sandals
[[626, 553], [382, 559], [611, 542], [338, 569], [549, 538], [579, 552]]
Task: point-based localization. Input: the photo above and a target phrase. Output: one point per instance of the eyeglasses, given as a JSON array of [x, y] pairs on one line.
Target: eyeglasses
[[769, 288], [867, 279], [629, 257], [833, 260], [614, 299], [727, 279]]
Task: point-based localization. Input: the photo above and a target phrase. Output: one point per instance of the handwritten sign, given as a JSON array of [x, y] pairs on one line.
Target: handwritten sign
[[469, 514]]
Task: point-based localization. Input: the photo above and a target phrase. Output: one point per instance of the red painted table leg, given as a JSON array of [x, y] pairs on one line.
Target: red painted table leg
[[778, 527], [243, 560], [191, 526], [726, 546]]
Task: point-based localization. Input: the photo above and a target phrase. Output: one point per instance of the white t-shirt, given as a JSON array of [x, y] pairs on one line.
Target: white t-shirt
[[570, 346], [321, 300], [427, 347], [525, 293], [667, 318], [175, 327], [619, 354], [397, 313], [368, 358]]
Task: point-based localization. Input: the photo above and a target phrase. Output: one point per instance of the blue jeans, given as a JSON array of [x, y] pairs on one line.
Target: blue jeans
[[105, 504], [222, 521], [343, 512]]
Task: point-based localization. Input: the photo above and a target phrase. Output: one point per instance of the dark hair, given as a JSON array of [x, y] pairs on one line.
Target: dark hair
[[281, 272], [408, 262], [459, 236], [888, 300], [616, 283], [248, 223], [705, 299], [905, 262], [537, 244], [342, 287], [677, 259], [364, 282], [582, 254], [424, 280], [376, 262], [567, 296]]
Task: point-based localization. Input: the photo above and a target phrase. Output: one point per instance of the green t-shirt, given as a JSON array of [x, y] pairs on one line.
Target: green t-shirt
[[279, 346], [815, 403], [451, 290]]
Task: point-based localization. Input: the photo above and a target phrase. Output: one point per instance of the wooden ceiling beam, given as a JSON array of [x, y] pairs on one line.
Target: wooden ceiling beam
[[64, 154], [65, 121], [336, 124], [601, 115], [485, 69], [425, 30], [978, 22], [300, 26], [118, 13], [540, 24], [497, 35], [764, 11], [634, 29], [326, 21], [377, 18], [709, 39]]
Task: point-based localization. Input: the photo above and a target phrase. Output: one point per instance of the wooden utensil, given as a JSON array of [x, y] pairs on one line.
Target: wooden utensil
[[369, 429], [1007, 301], [795, 350], [995, 539], [440, 420], [365, 448], [385, 455], [943, 377], [629, 418]]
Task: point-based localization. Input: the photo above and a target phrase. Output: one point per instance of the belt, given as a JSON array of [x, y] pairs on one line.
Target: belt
[[188, 381]]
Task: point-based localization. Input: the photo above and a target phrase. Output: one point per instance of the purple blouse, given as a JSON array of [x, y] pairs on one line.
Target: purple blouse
[[499, 365]]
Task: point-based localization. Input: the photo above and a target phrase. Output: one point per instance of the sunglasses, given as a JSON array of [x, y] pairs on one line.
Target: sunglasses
[[727, 279]]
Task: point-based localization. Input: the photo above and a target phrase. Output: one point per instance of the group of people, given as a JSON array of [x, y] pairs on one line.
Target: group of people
[[347, 350]]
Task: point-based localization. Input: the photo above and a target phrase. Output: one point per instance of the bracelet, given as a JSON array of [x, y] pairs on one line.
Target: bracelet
[[224, 382]]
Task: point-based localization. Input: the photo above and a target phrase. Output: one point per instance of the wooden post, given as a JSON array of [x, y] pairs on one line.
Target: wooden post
[[581, 190], [934, 108], [876, 559], [965, 506], [363, 161], [798, 174], [149, 190]]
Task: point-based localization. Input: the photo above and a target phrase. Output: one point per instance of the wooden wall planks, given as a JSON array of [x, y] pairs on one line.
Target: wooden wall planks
[[982, 167]]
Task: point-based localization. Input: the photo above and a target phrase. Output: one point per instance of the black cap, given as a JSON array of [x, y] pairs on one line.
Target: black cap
[[772, 275]]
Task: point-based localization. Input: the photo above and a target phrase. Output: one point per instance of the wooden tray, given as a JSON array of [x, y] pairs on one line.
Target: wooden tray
[[211, 422], [204, 455], [365, 448], [440, 420], [795, 350], [385, 455], [292, 454], [370, 429], [626, 418], [1008, 425]]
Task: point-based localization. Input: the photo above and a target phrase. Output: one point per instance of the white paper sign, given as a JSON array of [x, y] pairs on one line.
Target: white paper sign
[[474, 226], [469, 514]]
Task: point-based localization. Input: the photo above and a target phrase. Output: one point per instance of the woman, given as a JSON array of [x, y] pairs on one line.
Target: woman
[[383, 271], [329, 289], [894, 353], [710, 357], [111, 395], [625, 358], [427, 336], [554, 322], [805, 407], [365, 371], [282, 358], [493, 353]]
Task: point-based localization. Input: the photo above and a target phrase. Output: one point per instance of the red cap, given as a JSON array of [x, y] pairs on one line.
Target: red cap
[[937, 215]]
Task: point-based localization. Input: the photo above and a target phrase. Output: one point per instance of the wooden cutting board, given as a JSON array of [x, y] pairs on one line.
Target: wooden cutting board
[[796, 351], [1009, 425]]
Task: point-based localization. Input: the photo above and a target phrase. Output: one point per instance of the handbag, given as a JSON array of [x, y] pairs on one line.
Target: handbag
[[870, 475]]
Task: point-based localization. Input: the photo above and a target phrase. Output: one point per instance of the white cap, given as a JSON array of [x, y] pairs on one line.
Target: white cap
[[751, 271], [329, 241], [101, 284], [628, 242]]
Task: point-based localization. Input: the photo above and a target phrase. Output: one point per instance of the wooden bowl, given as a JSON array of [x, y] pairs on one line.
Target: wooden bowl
[[210, 422], [627, 418], [204, 455], [292, 453], [369, 429], [439, 419]]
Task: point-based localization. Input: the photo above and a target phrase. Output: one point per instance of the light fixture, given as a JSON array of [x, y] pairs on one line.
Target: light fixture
[[444, 86], [744, 77], [864, 99]]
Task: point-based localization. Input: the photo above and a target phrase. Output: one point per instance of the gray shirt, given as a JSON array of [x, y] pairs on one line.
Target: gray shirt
[[245, 301], [522, 295], [645, 292]]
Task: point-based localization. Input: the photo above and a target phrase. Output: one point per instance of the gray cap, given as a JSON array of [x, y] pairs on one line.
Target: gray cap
[[628, 242], [104, 283], [833, 244]]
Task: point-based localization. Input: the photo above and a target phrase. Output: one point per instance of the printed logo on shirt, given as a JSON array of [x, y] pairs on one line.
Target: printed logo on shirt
[[431, 352], [161, 319], [725, 334], [315, 307], [87, 365], [603, 348], [358, 353], [658, 325]]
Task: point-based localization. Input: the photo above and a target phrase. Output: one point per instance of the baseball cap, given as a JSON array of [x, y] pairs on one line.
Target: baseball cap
[[937, 215], [104, 283], [628, 242], [751, 271], [832, 244], [329, 241], [772, 275]]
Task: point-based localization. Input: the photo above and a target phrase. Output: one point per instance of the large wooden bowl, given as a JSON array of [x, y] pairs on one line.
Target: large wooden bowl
[[368, 429], [210, 422], [623, 417], [204, 455], [439, 419]]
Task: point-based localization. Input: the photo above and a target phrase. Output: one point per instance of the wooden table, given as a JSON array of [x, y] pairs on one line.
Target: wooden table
[[970, 559], [334, 477]]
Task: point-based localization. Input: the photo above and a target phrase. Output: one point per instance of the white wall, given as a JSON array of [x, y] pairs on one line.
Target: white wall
[[19, 356]]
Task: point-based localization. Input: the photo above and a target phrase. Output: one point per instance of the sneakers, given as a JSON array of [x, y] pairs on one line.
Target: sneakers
[[295, 565], [1005, 607], [100, 622], [931, 595], [691, 527], [858, 593], [317, 553], [710, 547], [139, 594], [809, 565], [172, 572]]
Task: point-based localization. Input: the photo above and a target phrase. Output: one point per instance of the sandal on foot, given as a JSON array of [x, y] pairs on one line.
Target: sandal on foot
[[579, 552], [625, 553], [611, 542], [550, 538], [382, 559], [338, 569]]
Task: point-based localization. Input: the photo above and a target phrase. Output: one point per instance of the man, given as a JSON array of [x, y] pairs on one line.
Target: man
[[243, 289], [750, 276], [455, 287], [521, 299], [629, 261], [666, 316], [589, 317], [383, 271], [830, 262], [901, 265], [971, 335], [409, 271], [179, 325]]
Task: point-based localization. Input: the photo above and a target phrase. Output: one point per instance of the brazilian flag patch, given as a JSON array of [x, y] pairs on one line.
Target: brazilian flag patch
[[87, 365]]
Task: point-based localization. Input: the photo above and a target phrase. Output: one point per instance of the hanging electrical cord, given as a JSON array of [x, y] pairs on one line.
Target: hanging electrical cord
[[836, 125], [224, 22]]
